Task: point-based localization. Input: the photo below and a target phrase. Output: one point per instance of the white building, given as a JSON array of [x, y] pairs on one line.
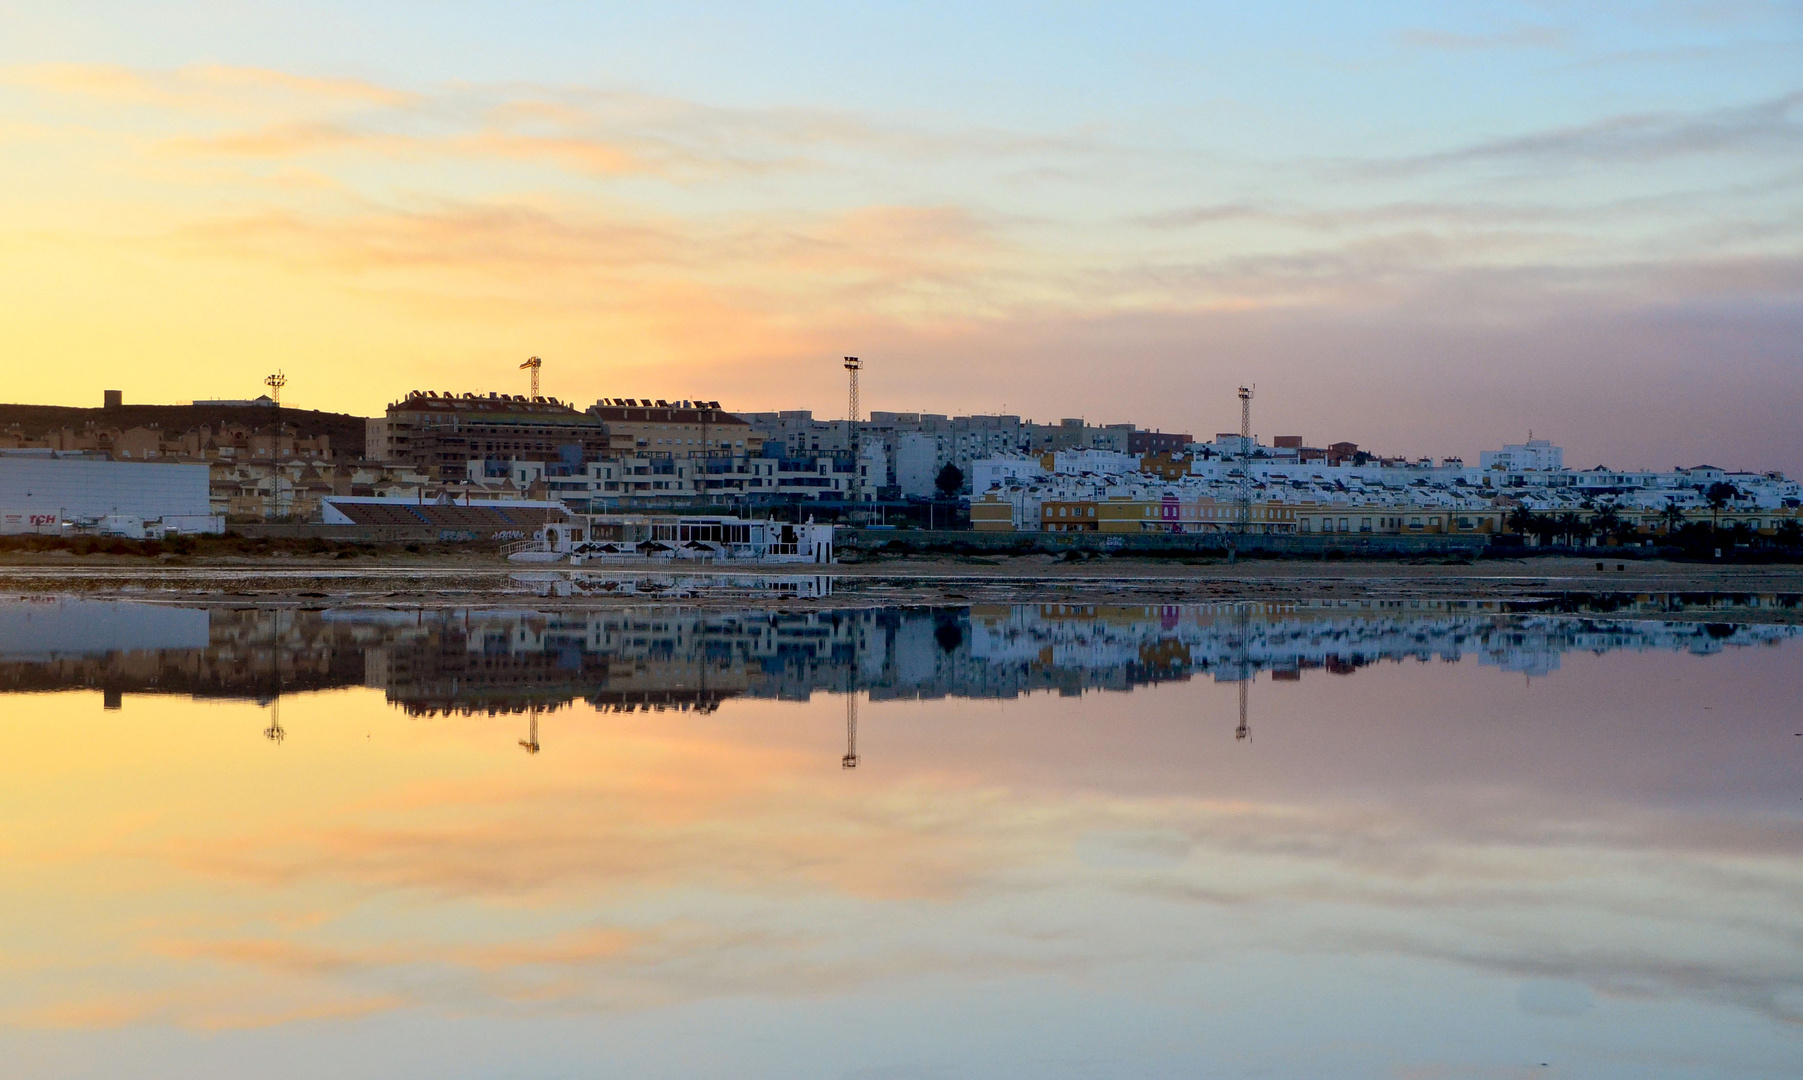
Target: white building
[[1535, 455], [133, 498], [916, 464]]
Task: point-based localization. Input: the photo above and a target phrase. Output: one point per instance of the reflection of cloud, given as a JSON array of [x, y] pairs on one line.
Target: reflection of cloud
[[659, 861]]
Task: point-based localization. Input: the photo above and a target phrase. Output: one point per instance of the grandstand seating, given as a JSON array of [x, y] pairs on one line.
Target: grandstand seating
[[482, 521]]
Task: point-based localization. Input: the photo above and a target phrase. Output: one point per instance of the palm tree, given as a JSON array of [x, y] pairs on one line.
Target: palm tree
[[1672, 516], [1606, 522], [1790, 534], [1569, 526], [1521, 520], [1719, 494]]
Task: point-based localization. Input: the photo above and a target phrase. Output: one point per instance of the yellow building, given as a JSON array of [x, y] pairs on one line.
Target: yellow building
[[992, 513], [1201, 515], [1398, 521], [1068, 516]]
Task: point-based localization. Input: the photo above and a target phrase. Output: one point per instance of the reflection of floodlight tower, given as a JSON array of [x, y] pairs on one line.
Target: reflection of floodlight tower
[[532, 364], [530, 742], [274, 732], [1243, 627], [275, 383], [850, 760], [852, 366], [1243, 511]]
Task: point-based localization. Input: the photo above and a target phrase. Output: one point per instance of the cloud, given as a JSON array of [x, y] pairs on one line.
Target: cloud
[[1527, 37], [1765, 127], [205, 87]]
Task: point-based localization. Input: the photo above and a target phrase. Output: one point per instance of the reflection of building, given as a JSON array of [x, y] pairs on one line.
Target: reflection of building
[[432, 662]]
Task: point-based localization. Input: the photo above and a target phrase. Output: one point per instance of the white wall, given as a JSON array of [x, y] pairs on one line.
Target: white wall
[[90, 488], [916, 463]]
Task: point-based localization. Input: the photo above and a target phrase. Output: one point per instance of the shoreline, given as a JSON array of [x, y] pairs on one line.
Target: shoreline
[[301, 581]]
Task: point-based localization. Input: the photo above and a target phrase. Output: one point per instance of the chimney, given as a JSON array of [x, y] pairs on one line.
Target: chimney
[[112, 399]]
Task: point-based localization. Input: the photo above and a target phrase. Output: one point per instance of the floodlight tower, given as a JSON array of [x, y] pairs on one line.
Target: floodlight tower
[[1243, 512], [532, 364], [275, 383], [852, 366]]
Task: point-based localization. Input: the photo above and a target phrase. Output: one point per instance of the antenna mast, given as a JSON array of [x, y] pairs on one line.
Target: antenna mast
[[532, 364]]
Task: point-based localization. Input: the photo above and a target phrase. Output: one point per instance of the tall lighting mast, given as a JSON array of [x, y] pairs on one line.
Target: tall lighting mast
[[1243, 512], [275, 383], [852, 366]]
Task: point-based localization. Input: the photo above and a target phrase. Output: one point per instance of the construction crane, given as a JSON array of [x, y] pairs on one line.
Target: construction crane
[[530, 742], [275, 383], [1243, 509], [532, 364], [850, 760], [852, 366]]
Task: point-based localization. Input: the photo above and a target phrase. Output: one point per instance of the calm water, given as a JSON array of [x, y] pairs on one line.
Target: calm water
[[1339, 841]]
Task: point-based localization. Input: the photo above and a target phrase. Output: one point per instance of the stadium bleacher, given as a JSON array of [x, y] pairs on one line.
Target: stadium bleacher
[[474, 521]]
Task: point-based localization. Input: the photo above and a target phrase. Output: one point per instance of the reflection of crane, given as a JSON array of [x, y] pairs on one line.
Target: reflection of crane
[[530, 742], [532, 364], [850, 760], [1243, 626], [1243, 511]]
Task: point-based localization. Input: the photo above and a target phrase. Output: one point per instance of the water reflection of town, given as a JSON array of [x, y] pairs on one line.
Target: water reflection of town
[[437, 662]]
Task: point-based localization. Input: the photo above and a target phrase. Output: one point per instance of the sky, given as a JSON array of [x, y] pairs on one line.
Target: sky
[[1425, 228]]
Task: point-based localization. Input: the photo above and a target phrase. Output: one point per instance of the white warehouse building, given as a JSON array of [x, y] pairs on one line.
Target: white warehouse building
[[44, 491]]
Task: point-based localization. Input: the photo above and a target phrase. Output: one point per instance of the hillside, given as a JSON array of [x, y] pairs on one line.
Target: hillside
[[346, 431]]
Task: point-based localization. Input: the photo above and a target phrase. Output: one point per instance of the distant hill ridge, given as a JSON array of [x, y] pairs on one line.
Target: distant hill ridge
[[345, 430]]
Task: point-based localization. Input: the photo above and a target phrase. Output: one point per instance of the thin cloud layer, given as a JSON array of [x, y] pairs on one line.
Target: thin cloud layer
[[632, 233]]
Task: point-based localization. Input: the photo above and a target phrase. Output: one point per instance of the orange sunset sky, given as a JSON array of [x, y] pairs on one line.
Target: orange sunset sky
[[1424, 229]]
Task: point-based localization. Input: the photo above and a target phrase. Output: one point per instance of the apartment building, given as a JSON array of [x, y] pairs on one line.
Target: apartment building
[[648, 477], [442, 433]]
